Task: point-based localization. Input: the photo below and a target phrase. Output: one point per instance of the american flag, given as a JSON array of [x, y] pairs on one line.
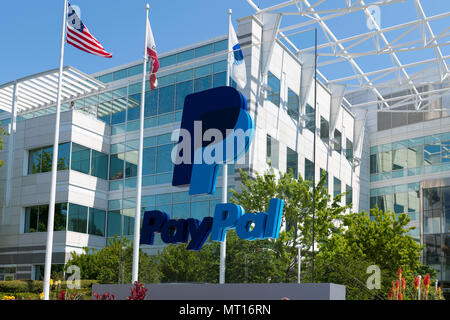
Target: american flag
[[79, 36], [153, 56]]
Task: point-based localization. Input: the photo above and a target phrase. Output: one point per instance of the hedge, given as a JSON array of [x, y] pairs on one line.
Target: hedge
[[32, 286]]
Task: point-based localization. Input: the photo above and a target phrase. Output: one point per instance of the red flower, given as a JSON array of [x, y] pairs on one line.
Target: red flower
[[400, 296], [400, 272], [426, 281], [397, 284], [416, 283], [62, 295], [138, 292], [403, 284], [390, 294]]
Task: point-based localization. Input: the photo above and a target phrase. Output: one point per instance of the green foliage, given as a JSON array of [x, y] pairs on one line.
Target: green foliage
[[36, 287], [246, 261], [375, 238], [298, 196], [113, 263]]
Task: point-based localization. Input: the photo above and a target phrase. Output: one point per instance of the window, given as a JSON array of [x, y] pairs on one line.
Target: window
[[114, 223], [164, 158], [293, 104], [40, 160], [80, 158], [97, 222], [149, 161], [273, 94], [349, 196], [309, 170], [182, 90], [203, 83], [151, 103], [373, 164], [272, 151], [116, 166], [337, 141], [310, 114], [77, 218], [35, 161], [36, 218], [99, 165], [166, 99], [324, 130], [348, 149], [336, 186], [131, 160], [292, 162]]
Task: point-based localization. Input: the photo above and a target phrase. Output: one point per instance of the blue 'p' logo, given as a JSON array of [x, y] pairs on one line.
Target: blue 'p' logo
[[220, 130]]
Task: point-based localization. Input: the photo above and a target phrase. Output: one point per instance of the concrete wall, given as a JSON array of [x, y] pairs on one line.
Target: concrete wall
[[230, 291]]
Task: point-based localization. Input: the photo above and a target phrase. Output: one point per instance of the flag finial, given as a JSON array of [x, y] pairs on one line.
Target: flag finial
[[147, 6], [230, 11]]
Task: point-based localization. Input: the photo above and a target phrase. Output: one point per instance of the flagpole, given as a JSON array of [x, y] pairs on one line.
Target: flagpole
[[137, 218], [51, 209], [223, 245]]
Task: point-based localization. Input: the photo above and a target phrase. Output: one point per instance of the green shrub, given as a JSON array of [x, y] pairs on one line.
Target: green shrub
[[32, 286], [13, 286]]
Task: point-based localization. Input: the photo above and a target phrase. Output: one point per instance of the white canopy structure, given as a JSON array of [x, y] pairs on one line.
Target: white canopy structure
[[403, 67], [39, 91], [424, 76]]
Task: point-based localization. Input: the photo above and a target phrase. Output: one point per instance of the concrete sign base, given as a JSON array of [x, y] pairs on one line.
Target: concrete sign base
[[229, 291]]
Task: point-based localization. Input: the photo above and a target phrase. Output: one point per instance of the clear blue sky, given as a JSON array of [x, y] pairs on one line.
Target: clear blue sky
[[30, 31]]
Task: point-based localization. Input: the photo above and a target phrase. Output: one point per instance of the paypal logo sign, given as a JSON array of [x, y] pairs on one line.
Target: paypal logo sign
[[249, 226], [215, 129]]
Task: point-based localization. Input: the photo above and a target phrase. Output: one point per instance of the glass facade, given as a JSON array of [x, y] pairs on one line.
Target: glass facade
[[40, 160], [292, 161], [80, 158], [436, 229], [157, 162], [293, 104], [309, 170], [121, 107], [410, 157], [337, 141], [36, 218], [166, 61], [336, 187], [324, 130], [273, 94], [179, 205], [403, 198], [310, 118], [68, 216]]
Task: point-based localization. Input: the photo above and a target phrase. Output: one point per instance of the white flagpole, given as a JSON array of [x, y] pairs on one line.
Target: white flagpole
[[223, 245], [137, 218], [51, 209]]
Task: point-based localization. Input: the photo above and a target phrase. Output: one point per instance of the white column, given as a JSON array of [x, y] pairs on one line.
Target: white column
[[10, 166], [137, 217], [51, 209]]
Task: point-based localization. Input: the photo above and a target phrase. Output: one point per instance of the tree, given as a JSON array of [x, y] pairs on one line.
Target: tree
[[246, 262], [113, 264], [260, 261], [297, 213], [375, 238]]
